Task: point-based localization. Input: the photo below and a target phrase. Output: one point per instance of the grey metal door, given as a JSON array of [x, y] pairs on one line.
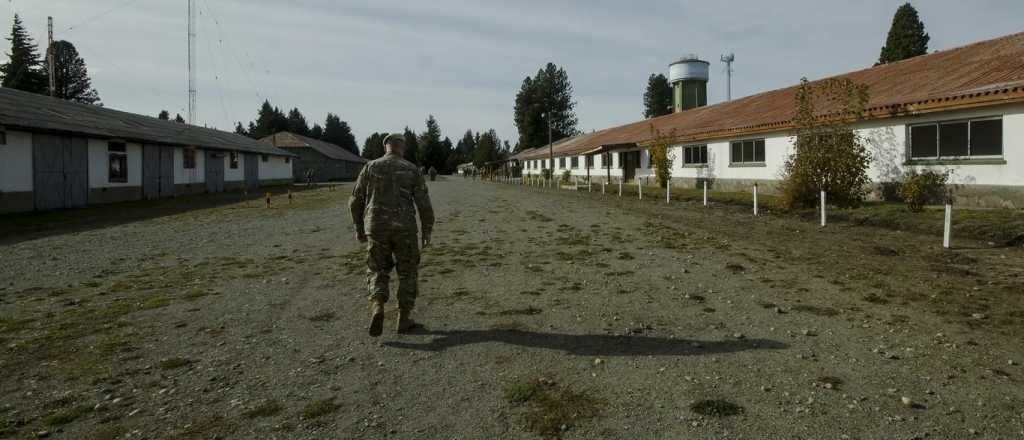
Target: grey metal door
[[150, 172], [214, 172], [252, 172], [166, 172], [60, 171]]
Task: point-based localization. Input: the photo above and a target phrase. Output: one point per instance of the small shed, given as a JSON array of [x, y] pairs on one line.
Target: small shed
[[328, 161]]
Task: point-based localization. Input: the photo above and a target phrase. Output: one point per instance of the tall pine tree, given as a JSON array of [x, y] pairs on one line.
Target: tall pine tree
[[412, 147], [23, 70], [71, 77], [165, 115], [339, 133], [240, 129], [657, 97], [269, 120], [467, 144], [547, 97], [434, 152], [373, 148], [317, 132], [488, 148], [907, 38], [297, 123]]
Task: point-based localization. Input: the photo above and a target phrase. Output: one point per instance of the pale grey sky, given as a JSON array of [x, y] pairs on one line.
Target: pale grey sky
[[385, 64]]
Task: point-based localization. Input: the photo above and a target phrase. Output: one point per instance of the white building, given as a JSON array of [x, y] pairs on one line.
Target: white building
[[58, 154], [960, 110]]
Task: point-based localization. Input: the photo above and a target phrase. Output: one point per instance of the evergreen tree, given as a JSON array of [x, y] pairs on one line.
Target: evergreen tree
[[240, 129], [412, 147], [252, 130], [373, 148], [487, 149], [338, 133], [269, 120], [317, 132], [297, 123], [23, 70], [164, 114], [907, 38], [434, 153], [657, 97], [467, 144], [179, 119], [449, 150], [545, 97], [71, 77]]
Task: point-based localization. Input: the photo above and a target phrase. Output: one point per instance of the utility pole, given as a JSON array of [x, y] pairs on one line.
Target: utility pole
[[50, 64], [728, 59], [192, 113]]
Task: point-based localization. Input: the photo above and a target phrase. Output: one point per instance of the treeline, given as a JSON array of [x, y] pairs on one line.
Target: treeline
[[270, 120], [429, 150], [26, 70]]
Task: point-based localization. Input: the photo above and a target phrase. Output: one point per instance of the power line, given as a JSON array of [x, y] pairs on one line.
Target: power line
[[96, 17]]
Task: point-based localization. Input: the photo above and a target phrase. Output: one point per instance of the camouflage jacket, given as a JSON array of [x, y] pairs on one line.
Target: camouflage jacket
[[387, 195]]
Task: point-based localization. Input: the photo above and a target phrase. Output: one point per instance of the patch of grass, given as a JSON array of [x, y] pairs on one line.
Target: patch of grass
[[527, 311], [111, 432], [626, 256], [155, 302], [536, 216], [268, 408], [65, 417], [735, 268], [323, 317], [875, 299], [508, 326], [319, 408], [11, 325], [551, 409], [530, 292], [816, 310], [716, 408], [174, 363]]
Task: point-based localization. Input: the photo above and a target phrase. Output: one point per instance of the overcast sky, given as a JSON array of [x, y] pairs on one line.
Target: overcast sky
[[383, 65]]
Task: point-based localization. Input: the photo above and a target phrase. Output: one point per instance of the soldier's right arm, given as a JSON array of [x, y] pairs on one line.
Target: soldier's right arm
[[357, 203]]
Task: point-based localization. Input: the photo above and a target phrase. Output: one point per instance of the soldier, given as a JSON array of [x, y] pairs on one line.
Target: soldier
[[433, 174], [387, 195]]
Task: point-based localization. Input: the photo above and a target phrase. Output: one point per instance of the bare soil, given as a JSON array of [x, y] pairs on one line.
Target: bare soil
[[547, 314]]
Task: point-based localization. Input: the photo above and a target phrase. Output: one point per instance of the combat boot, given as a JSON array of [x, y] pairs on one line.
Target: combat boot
[[376, 319], [405, 322]]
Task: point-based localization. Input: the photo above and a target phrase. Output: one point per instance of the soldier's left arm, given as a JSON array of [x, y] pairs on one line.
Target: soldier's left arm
[[357, 203], [423, 206]]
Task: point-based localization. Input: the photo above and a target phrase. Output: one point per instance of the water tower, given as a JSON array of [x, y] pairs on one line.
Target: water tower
[[689, 79]]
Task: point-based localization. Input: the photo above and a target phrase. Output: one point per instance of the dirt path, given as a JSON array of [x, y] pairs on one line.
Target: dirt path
[[610, 319]]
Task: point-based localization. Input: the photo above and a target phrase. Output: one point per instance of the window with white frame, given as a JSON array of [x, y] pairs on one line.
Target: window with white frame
[[962, 139], [117, 154], [695, 155], [561, 162], [233, 159], [747, 151], [589, 161], [574, 162], [188, 158]]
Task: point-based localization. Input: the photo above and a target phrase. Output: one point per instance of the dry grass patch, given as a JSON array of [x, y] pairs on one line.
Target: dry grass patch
[[552, 409], [319, 408]]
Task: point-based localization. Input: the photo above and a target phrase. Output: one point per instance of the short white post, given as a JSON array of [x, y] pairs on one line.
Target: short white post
[[705, 193], [668, 192], [589, 185], [604, 186], [755, 200], [947, 230], [620, 187], [823, 208], [640, 189]]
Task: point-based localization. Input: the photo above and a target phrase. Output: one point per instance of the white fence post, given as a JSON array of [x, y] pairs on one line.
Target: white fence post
[[755, 200], [823, 208], [947, 230], [705, 193], [640, 188], [620, 187], [590, 187], [668, 192]]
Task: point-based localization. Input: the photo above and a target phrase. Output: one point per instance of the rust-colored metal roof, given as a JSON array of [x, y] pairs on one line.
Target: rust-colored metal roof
[[286, 140], [980, 74]]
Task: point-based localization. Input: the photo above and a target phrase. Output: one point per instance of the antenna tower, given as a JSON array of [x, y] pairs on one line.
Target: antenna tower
[[192, 111]]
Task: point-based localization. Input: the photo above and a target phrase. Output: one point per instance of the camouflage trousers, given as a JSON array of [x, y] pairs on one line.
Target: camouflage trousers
[[399, 251]]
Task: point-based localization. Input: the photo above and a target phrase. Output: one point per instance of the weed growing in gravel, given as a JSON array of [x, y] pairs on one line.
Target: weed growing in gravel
[[266, 409], [174, 363], [536, 216], [63, 418], [716, 408], [322, 317], [527, 311], [552, 409], [875, 299], [319, 408], [815, 310]]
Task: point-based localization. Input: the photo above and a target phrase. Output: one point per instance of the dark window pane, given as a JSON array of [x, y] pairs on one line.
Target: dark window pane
[[923, 141], [759, 151], [748, 151], [737, 152], [953, 139], [987, 137], [703, 154], [116, 147]]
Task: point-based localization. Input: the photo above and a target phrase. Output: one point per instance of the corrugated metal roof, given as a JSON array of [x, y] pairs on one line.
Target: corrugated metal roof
[[286, 140], [38, 112], [980, 74]]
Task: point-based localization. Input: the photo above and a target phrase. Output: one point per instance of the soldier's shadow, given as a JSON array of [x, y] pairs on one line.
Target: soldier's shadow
[[587, 345]]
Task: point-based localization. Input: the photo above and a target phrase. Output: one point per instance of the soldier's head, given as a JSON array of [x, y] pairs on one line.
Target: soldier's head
[[395, 143]]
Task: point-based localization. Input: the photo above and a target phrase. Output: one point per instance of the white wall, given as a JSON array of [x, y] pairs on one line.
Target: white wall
[[194, 175], [274, 168], [16, 162], [234, 175], [99, 165]]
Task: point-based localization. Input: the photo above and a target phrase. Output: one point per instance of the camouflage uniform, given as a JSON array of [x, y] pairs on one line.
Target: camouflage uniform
[[386, 197]]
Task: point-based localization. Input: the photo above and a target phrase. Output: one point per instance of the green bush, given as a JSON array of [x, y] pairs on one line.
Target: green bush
[[924, 188], [566, 175]]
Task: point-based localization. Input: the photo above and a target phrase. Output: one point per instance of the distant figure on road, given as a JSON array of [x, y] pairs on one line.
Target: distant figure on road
[[386, 197], [432, 173], [309, 177]]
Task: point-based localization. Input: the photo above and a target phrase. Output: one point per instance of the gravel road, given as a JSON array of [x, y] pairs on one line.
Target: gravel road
[[547, 313]]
